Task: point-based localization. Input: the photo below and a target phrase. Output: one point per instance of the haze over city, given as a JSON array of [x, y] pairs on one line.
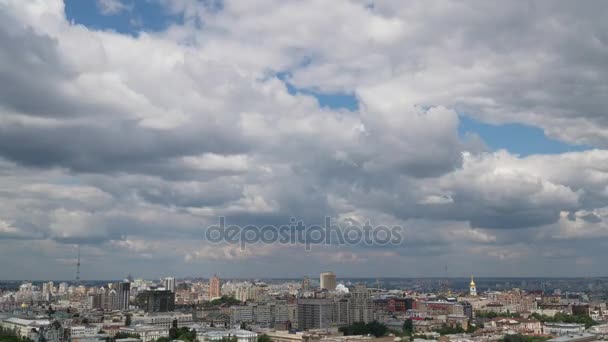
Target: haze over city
[[129, 128]]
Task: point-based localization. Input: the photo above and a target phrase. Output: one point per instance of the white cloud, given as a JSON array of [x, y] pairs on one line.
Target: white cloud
[[111, 7]]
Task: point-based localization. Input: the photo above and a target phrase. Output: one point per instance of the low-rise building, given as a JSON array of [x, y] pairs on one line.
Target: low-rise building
[[582, 337], [239, 334], [34, 328], [146, 333], [560, 329], [82, 332]]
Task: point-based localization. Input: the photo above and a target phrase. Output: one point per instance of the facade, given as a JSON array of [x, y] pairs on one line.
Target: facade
[[222, 335], [214, 288], [146, 333], [34, 328], [327, 281], [124, 293], [156, 301], [82, 332], [267, 315], [361, 305], [315, 313], [164, 320], [169, 284], [560, 329]]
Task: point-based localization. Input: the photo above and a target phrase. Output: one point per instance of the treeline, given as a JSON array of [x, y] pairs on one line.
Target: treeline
[[360, 328], [224, 300], [565, 318], [523, 338], [482, 314], [7, 335]]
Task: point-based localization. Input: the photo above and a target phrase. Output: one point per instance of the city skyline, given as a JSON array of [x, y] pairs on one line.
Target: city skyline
[[130, 129]]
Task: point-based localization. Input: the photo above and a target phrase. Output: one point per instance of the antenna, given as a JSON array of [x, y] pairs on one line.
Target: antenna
[[78, 266]]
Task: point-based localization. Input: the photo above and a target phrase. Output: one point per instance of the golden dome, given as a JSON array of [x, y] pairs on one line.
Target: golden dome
[[472, 282]]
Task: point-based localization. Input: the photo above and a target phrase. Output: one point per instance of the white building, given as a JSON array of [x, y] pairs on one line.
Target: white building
[[241, 335], [561, 329], [164, 320], [147, 333], [169, 283], [327, 281], [32, 328], [80, 332]]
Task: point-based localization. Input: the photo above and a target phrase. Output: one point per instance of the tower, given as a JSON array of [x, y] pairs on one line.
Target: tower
[[214, 287], [169, 283], [78, 267], [327, 281], [472, 288]]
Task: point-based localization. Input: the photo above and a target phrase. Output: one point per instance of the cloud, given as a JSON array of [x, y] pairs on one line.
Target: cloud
[[112, 7], [132, 146]]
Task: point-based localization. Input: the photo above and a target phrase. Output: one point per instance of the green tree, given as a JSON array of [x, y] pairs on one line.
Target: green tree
[[121, 334], [128, 320], [264, 338], [408, 327], [360, 328]]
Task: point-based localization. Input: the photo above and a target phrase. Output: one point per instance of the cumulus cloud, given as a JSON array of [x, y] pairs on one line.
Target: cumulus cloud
[[132, 146]]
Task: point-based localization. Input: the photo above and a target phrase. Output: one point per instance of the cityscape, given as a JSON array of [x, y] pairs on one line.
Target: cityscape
[[303, 171], [323, 308]]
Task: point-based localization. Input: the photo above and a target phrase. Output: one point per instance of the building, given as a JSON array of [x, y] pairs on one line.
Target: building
[[472, 288], [156, 301], [124, 293], [214, 288], [524, 326], [34, 328], [146, 333], [327, 281], [305, 284], [83, 332], [226, 335], [268, 315], [583, 337], [315, 313], [398, 304], [164, 320], [169, 284], [361, 305], [560, 329]]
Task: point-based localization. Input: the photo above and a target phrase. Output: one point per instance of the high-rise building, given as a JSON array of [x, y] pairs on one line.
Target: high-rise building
[[169, 284], [328, 281], [124, 294], [214, 288], [315, 313], [361, 304], [156, 301]]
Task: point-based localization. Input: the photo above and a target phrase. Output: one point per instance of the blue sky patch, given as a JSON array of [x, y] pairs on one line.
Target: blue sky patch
[[516, 138], [138, 16], [335, 101]]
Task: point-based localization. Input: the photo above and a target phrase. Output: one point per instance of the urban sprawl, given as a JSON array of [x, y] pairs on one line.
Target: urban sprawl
[[327, 309]]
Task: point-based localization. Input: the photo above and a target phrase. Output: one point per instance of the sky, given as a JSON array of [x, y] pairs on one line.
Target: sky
[[129, 127]]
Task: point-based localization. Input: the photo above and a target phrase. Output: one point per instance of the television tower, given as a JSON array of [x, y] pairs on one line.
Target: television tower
[[78, 267]]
